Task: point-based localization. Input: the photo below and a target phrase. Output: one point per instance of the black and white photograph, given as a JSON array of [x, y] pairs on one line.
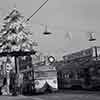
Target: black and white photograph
[[49, 50]]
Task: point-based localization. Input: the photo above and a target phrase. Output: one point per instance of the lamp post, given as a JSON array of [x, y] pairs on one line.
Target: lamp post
[[92, 40]]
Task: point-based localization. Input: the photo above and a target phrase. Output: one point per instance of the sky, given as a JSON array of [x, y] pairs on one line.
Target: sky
[[78, 17]]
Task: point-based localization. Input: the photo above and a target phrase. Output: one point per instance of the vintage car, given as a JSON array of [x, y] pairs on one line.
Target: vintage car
[[45, 78]]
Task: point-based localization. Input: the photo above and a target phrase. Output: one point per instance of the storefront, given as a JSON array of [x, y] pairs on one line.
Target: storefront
[[10, 83]]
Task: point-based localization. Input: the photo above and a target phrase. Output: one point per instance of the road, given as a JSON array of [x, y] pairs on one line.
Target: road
[[66, 95]]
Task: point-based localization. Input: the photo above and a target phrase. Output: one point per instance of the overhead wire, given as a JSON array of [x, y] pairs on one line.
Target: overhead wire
[[36, 11]]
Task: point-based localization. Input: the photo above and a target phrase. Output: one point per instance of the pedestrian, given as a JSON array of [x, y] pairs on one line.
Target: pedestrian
[[12, 81], [4, 87], [21, 83]]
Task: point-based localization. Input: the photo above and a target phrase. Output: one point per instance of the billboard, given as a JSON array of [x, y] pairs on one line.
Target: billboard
[[82, 53]]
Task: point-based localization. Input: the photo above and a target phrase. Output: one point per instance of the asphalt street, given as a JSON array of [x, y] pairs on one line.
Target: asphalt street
[[66, 95]]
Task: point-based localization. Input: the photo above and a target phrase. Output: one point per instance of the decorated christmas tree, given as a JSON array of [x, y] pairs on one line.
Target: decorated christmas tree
[[14, 35], [15, 38]]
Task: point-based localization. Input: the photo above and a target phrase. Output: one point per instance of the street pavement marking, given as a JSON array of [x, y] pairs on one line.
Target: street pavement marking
[[37, 98], [16, 97]]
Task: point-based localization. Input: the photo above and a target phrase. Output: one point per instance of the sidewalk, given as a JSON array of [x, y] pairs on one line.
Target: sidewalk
[[12, 97]]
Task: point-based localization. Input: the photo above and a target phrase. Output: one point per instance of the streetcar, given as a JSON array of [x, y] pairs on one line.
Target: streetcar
[[80, 69]]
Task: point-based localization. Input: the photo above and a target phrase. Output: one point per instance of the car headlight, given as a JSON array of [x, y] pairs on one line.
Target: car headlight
[[55, 81], [36, 82]]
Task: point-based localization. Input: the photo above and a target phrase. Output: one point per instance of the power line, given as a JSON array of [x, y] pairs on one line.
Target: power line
[[36, 10]]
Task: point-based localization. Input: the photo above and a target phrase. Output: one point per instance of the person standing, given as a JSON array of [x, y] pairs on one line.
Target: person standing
[[8, 69], [20, 83]]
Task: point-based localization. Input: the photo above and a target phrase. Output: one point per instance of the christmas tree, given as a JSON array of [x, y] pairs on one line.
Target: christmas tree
[[14, 35], [15, 38]]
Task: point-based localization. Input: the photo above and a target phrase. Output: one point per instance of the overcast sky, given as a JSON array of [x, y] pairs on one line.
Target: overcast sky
[[61, 16]]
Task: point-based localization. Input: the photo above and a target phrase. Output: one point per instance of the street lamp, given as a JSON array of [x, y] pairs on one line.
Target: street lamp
[[46, 31], [91, 36]]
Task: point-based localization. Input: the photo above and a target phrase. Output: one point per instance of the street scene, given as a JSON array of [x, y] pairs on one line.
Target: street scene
[[49, 49]]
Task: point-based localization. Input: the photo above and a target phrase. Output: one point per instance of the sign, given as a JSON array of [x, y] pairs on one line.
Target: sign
[[51, 59], [79, 54]]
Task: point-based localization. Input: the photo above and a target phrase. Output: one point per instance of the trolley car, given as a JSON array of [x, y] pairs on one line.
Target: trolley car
[[80, 69]]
